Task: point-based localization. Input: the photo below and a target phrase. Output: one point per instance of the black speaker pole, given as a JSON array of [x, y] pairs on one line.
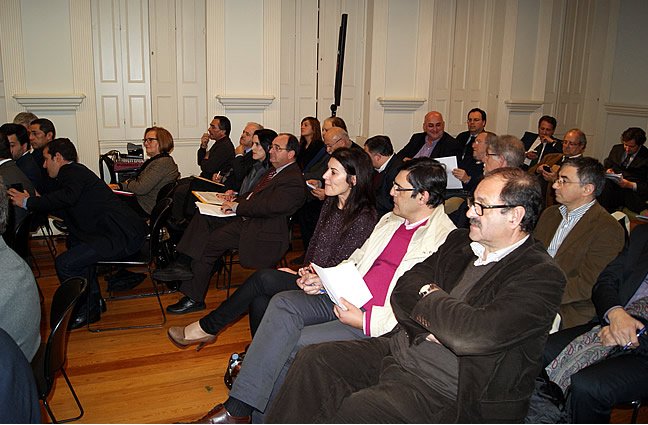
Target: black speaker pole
[[339, 67]]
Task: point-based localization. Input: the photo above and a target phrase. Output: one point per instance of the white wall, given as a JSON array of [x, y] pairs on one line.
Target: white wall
[[257, 60]]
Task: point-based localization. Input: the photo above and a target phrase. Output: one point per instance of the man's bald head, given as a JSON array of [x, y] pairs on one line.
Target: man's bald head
[[336, 138]]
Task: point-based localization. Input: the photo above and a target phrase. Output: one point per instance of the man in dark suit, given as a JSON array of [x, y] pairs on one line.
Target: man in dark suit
[[539, 144], [219, 157], [41, 132], [259, 230], [386, 166], [597, 388], [469, 168], [581, 236], [101, 227], [630, 159], [13, 177], [472, 322], [433, 142], [243, 161], [19, 144]]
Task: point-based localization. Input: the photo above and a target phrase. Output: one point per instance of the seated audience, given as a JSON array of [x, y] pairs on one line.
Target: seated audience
[[630, 159], [20, 152], [546, 169], [542, 143], [18, 392], [386, 165], [580, 235], [13, 177], [347, 219], [415, 229], [257, 226], [156, 172], [604, 362], [19, 301], [472, 322], [243, 161], [100, 225], [331, 122], [41, 132], [433, 142]]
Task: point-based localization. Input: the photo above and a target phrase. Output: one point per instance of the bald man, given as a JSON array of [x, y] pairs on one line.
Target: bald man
[[433, 142]]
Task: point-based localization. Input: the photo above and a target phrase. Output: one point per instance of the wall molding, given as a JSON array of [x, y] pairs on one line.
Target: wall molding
[[50, 102], [247, 103], [626, 109], [523, 105], [401, 104]]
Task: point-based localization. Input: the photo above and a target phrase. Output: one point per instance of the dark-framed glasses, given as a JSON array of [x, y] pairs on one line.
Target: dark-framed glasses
[[397, 188], [149, 139], [479, 208]]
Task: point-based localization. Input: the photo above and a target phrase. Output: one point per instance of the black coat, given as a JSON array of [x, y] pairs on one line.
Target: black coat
[[446, 146]]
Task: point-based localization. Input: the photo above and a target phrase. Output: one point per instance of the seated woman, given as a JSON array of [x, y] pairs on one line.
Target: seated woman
[[159, 170], [347, 219]]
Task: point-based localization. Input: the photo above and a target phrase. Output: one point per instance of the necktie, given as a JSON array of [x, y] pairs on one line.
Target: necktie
[[467, 147], [264, 180], [626, 161]]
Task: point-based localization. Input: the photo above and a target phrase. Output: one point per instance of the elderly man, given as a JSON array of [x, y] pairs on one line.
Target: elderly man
[[630, 159], [259, 230], [415, 229], [433, 142], [580, 235], [472, 322]]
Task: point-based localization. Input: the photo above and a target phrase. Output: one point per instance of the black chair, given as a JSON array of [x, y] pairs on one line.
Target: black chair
[[18, 238], [51, 356], [107, 166], [166, 191], [148, 256]]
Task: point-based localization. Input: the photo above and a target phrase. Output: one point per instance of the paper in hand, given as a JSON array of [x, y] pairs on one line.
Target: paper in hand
[[450, 163], [344, 281]]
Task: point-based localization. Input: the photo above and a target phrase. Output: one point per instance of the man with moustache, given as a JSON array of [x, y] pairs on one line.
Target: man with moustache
[[472, 322]]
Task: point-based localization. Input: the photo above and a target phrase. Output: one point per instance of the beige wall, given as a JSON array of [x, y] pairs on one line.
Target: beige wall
[[255, 60]]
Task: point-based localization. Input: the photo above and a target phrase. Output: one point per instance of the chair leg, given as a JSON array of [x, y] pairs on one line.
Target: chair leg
[[49, 238], [636, 405], [155, 292], [76, 399]]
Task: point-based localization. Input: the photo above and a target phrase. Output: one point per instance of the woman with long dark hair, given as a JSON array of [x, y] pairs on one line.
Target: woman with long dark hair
[[347, 219]]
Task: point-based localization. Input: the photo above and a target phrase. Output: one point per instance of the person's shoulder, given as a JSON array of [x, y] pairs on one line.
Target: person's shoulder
[[448, 138]]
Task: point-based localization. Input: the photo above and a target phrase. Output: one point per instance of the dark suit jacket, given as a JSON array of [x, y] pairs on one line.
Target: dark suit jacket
[[636, 172], [93, 213], [11, 175], [596, 240], [47, 184], [528, 138], [623, 276], [265, 237], [446, 146], [497, 333], [241, 166], [385, 181], [32, 170], [220, 158]]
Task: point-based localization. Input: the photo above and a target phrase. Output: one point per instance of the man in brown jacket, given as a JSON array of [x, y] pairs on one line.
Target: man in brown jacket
[[580, 234]]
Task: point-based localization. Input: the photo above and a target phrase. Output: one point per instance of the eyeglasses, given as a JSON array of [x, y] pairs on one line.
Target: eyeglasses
[[492, 154], [333, 144], [479, 207], [561, 181], [278, 148], [149, 140], [397, 188]]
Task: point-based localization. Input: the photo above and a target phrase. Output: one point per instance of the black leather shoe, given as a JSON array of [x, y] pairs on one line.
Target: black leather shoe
[[81, 320], [185, 305], [220, 415], [174, 271]]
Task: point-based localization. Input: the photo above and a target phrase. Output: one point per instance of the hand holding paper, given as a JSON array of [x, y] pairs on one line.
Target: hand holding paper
[[344, 280]]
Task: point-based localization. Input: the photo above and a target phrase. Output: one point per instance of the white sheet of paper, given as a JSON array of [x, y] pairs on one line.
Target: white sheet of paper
[[213, 198], [213, 210], [344, 281], [451, 163]]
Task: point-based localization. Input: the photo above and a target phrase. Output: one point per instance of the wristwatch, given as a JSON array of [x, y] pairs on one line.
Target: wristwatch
[[427, 289]]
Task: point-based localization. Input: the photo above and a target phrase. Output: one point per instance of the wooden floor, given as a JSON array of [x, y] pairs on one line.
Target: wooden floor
[[139, 376]]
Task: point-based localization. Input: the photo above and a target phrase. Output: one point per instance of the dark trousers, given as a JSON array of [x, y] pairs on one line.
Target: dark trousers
[[254, 294], [614, 197], [205, 241], [79, 260], [307, 217], [599, 387], [354, 382]]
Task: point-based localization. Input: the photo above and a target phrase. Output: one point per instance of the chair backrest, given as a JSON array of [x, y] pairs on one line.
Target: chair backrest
[[166, 190], [18, 239], [63, 302], [107, 166], [159, 216]]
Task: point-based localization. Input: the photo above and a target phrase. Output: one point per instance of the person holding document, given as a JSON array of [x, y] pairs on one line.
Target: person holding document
[[347, 219], [414, 230]]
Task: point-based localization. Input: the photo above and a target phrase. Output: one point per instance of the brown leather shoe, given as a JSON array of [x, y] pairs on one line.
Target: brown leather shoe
[[220, 415]]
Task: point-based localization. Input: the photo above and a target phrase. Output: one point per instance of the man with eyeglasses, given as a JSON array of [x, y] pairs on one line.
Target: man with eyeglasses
[[628, 159], [573, 146], [256, 224], [472, 322], [580, 235]]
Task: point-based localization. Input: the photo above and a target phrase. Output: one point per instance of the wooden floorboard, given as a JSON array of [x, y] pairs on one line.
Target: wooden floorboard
[[139, 376]]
